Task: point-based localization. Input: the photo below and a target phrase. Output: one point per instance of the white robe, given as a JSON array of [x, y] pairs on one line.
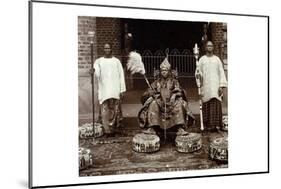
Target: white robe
[[213, 77], [110, 78]]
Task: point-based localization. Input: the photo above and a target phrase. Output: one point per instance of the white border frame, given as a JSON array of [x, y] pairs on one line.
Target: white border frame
[[141, 8]]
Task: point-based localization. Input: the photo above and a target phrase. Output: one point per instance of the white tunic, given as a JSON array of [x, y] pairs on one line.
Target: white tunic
[[110, 76], [213, 77]]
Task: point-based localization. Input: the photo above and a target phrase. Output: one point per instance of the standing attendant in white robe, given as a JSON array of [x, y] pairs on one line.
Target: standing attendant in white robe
[[213, 82], [111, 86]]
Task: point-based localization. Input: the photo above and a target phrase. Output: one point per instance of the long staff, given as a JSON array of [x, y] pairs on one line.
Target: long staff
[[165, 110], [91, 35], [198, 82]]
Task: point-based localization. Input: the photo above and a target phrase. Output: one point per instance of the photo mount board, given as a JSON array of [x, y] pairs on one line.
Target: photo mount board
[[34, 100]]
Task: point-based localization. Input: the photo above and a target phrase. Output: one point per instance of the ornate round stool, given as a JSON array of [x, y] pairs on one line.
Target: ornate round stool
[[85, 158], [87, 130], [98, 130], [188, 143], [225, 123], [219, 149], [146, 143]]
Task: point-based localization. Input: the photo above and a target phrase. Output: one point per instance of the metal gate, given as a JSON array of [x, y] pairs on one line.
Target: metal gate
[[184, 62]]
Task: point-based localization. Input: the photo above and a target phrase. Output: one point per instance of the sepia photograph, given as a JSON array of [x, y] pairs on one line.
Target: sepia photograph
[[132, 94], [152, 95]]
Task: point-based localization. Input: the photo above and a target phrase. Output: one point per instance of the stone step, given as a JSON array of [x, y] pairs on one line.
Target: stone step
[[132, 110]]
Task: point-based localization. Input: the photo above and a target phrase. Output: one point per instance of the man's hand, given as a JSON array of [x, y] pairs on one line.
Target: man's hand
[[121, 96], [198, 78], [198, 75], [220, 92], [173, 98], [151, 92], [92, 71]]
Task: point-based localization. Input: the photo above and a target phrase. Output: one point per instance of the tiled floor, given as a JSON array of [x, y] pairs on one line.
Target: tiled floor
[[115, 155]]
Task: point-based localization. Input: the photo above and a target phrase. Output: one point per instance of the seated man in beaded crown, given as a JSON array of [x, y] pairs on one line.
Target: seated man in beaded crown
[[165, 104]]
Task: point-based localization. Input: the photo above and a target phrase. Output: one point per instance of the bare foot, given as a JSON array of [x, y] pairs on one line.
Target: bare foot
[[182, 132], [150, 131]]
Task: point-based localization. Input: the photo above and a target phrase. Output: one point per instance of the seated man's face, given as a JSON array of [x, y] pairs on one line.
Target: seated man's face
[[164, 73]]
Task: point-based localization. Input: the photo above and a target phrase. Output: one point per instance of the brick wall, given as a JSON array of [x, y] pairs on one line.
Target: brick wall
[[217, 36], [109, 31], [85, 24]]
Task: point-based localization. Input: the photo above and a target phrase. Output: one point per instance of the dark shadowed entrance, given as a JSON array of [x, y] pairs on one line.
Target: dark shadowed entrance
[[157, 35], [152, 37]]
